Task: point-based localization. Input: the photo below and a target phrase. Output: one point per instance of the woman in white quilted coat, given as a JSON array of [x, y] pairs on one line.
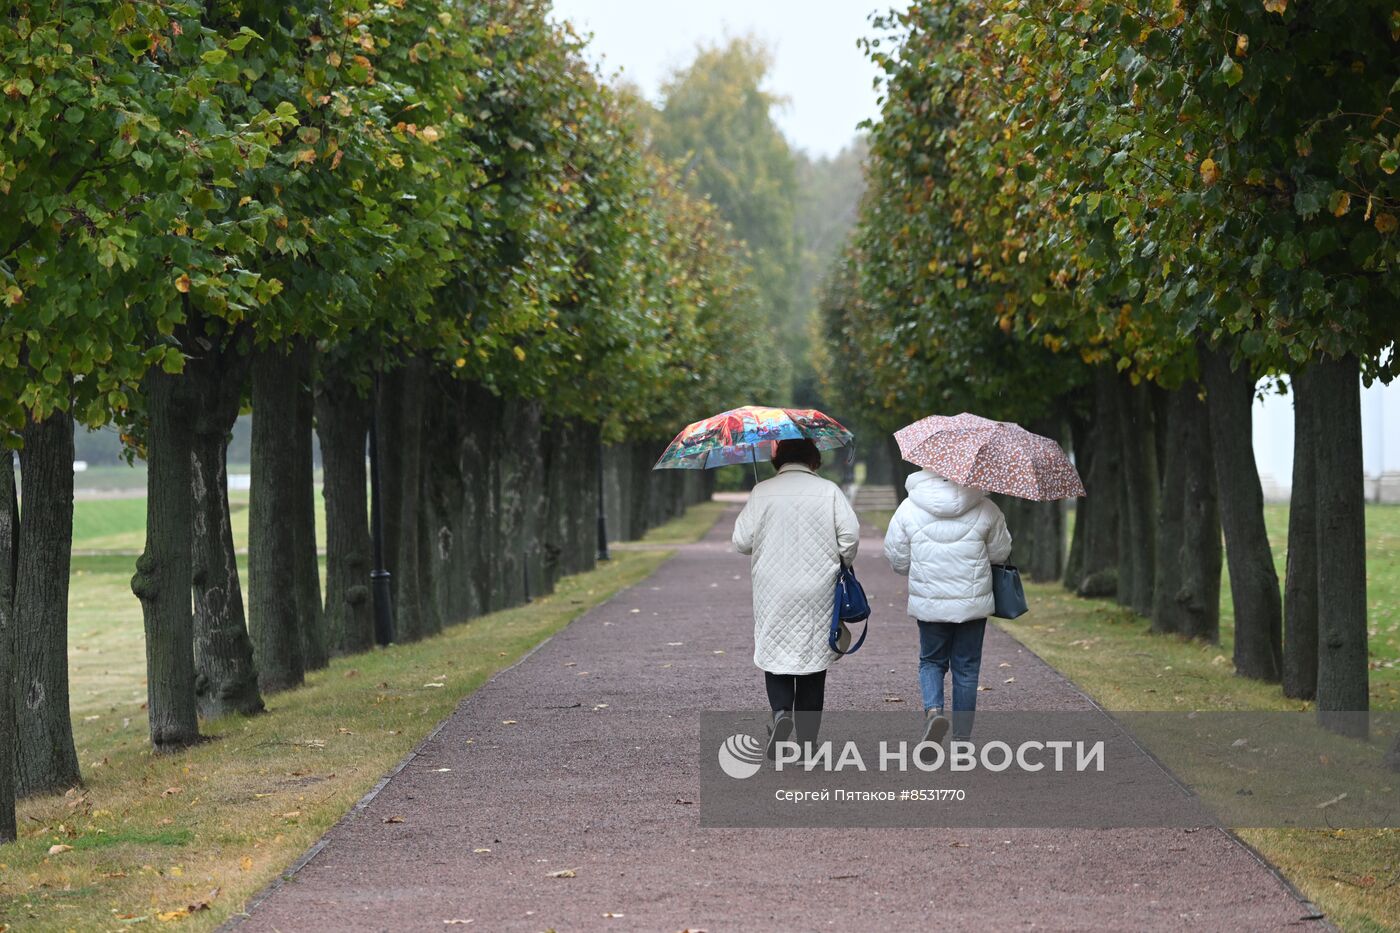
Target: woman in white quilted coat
[[799, 528], [945, 538]]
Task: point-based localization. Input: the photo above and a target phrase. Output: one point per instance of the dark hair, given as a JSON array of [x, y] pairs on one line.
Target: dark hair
[[798, 450]]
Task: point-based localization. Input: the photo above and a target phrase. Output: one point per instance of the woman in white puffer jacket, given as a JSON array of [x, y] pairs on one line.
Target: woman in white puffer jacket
[[945, 538]]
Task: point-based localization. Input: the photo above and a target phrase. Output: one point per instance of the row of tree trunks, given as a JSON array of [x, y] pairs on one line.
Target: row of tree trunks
[[1186, 596], [226, 680], [342, 426], [274, 624], [48, 761], [1254, 587], [9, 541]]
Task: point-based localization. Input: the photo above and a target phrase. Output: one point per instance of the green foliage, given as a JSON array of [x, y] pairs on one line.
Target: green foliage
[[716, 122], [389, 179]]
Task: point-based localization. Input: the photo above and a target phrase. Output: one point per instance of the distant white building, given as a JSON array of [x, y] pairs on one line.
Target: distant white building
[[1380, 426]]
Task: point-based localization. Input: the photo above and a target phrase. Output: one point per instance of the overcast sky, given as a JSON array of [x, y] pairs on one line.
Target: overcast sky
[[825, 78]]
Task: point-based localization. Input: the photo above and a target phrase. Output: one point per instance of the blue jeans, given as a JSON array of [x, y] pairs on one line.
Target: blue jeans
[[958, 644]]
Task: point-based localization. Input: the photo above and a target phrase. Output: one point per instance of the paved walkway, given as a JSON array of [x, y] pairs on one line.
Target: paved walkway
[[583, 757]]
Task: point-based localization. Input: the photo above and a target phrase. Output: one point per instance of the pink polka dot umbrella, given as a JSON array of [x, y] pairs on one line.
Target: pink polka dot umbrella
[[996, 456]]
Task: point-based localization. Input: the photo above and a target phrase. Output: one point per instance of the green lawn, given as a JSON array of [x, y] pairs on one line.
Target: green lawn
[[153, 837]]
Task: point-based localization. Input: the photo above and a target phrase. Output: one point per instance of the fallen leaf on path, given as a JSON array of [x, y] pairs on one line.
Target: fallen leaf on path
[[1009, 680], [894, 699], [455, 923], [718, 652], [983, 689], [480, 851], [609, 915], [1327, 803], [508, 722], [666, 665], [683, 800], [441, 770], [1004, 664], [674, 644], [393, 819], [564, 873], [59, 849], [957, 845], [571, 664]]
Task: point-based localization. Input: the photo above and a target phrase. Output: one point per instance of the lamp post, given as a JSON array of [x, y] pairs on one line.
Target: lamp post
[[379, 578]]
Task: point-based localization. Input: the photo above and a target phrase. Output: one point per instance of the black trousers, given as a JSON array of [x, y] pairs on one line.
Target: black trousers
[[803, 695]]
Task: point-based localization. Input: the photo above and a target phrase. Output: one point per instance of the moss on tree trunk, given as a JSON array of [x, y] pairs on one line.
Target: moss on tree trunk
[[226, 679], [1253, 581], [272, 604], [165, 571], [342, 424], [47, 759]]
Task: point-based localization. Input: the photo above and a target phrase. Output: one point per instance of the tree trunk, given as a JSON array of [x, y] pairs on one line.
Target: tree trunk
[[1171, 520], [1253, 580], [1074, 563], [1202, 553], [1141, 486], [307, 562], [1300, 638], [272, 603], [47, 759], [401, 420], [9, 541], [1099, 573], [1343, 691], [342, 424], [1186, 599], [226, 679], [164, 576]]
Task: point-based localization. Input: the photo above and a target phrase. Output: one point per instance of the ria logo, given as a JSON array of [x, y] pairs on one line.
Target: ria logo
[[741, 756]]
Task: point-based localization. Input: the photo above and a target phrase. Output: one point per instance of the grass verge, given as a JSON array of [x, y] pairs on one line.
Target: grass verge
[[1352, 874], [187, 838]]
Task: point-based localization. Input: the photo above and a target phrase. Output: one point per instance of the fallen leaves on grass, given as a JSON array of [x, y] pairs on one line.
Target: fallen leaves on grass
[[245, 863], [564, 873], [59, 849]]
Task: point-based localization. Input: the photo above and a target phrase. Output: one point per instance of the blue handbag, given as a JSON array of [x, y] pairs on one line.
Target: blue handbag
[[849, 607], [1010, 596]]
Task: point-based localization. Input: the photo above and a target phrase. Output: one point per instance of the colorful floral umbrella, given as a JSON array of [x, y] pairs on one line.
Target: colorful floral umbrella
[[997, 456], [748, 435]]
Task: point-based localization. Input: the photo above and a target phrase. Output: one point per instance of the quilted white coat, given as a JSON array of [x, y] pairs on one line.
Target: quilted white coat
[[945, 538], [799, 528]]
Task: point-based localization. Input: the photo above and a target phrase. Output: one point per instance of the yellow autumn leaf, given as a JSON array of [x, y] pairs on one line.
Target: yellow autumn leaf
[[520, 354], [170, 916], [1275, 6], [245, 863], [1241, 45], [305, 155], [1341, 203], [460, 362], [1210, 172], [182, 284], [430, 133], [1386, 223]]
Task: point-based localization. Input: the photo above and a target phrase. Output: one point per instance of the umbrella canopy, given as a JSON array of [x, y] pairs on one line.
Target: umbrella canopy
[[747, 435], [996, 456]]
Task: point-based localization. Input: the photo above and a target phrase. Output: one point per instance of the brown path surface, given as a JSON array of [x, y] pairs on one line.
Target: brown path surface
[[598, 773]]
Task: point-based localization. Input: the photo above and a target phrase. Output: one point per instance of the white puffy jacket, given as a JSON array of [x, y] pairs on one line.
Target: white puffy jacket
[[799, 528], [946, 537]]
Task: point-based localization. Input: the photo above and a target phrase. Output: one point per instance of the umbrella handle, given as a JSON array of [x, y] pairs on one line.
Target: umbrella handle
[[753, 461]]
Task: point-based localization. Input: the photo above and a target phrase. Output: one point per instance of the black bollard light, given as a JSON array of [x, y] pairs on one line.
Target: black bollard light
[[379, 578], [603, 553]]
